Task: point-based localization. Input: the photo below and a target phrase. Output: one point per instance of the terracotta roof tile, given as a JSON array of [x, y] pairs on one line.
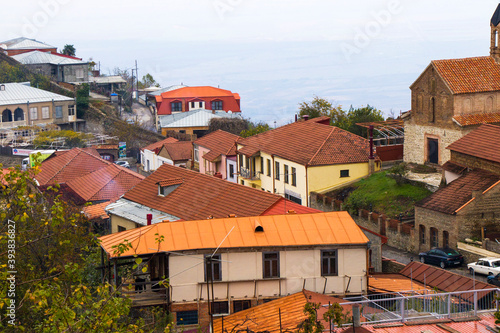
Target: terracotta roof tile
[[469, 75], [201, 91], [159, 144], [386, 283], [309, 143], [170, 182], [212, 156], [454, 167], [285, 207], [278, 231], [106, 146], [96, 211], [219, 142], [200, 195], [179, 151], [477, 119], [266, 317], [482, 143], [459, 192]]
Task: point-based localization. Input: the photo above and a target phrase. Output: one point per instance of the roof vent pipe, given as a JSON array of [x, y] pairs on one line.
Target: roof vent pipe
[[149, 217], [2, 87], [305, 117], [356, 316], [258, 227]]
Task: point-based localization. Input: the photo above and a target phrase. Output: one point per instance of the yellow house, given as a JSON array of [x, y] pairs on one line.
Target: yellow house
[[303, 157]]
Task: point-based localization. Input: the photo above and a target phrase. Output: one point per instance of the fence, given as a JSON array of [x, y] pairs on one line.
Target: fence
[[425, 305]]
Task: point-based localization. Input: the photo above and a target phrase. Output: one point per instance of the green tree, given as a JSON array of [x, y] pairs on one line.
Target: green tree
[[360, 115], [231, 125], [148, 81], [69, 50], [312, 323], [254, 129], [82, 100], [319, 107]]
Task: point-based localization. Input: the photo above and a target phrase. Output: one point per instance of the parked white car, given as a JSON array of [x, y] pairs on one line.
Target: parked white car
[[486, 266], [123, 164]]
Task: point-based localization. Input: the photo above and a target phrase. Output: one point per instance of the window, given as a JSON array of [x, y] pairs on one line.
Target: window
[[217, 105], [286, 173], [271, 265], [59, 112], [79, 73], [196, 153], [240, 158], [71, 110], [277, 170], [187, 317], [261, 165], [192, 105], [241, 305], [34, 113], [214, 267], [433, 110], [176, 106], [434, 237], [328, 262], [268, 167], [45, 112], [18, 114], [422, 234], [147, 166], [294, 176], [231, 171], [446, 238], [6, 116], [344, 173], [220, 307], [120, 228]]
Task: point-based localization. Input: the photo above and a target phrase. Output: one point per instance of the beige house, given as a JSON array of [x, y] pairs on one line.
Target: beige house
[[22, 105], [250, 260]]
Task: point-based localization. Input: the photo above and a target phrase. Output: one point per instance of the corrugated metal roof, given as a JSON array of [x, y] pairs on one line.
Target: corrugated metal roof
[[162, 90], [107, 79], [137, 213], [330, 229], [24, 43], [37, 57], [194, 118], [17, 93]]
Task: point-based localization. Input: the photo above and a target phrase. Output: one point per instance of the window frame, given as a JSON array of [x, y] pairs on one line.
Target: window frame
[[71, 110], [196, 153], [176, 106], [285, 171], [268, 167], [344, 173], [221, 310], [245, 304], [216, 266], [324, 257], [34, 113], [45, 112], [231, 170], [271, 274], [216, 105], [294, 176], [190, 313], [276, 170]]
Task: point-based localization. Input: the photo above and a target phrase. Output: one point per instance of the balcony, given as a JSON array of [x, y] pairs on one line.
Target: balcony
[[251, 176]]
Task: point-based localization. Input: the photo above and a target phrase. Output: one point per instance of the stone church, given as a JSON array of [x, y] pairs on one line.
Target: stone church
[[450, 99]]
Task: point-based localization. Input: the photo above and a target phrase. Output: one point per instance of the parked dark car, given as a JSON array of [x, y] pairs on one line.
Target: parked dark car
[[494, 279], [442, 257]]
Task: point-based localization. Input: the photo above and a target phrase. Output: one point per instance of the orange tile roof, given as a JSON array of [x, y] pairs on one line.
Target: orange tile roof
[[481, 143], [266, 317], [386, 283], [334, 228], [477, 119], [219, 142], [201, 91], [469, 75], [458, 193], [96, 211], [159, 144], [179, 151], [309, 143], [200, 195], [106, 146], [90, 177]]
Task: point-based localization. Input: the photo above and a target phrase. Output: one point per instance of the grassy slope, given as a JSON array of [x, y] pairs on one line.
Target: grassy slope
[[385, 195]]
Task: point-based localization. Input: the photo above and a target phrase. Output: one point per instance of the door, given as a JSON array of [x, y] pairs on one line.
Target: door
[[432, 151]]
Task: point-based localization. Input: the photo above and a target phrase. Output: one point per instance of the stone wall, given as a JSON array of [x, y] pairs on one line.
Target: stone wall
[[441, 222], [474, 162], [390, 266], [415, 146]]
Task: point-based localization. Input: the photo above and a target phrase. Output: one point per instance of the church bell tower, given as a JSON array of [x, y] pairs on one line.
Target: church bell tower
[[495, 35]]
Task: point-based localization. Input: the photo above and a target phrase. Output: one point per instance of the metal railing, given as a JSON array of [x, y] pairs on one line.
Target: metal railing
[[248, 174], [425, 305]]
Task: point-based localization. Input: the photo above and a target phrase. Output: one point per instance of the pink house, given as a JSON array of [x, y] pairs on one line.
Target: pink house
[[215, 155]]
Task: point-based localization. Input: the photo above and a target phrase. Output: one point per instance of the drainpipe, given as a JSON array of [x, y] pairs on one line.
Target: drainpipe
[[371, 158], [307, 188]]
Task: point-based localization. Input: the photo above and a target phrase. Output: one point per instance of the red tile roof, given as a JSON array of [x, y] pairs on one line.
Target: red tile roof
[[469, 75], [159, 144], [200, 195], [106, 146], [284, 206], [266, 317], [170, 182], [179, 151], [202, 91], [458, 193], [454, 168], [96, 211], [477, 119], [309, 143], [219, 142], [482, 143], [90, 177]]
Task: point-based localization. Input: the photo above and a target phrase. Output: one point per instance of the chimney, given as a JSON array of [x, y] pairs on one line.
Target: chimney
[[371, 158], [291, 211], [356, 319], [149, 217], [296, 118], [305, 117], [2, 87]]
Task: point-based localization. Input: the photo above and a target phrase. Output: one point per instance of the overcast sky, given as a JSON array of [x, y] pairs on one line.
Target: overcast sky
[[275, 53]]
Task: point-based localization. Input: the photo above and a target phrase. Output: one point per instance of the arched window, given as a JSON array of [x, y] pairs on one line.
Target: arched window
[[434, 237], [217, 105], [489, 104], [18, 114], [433, 110], [6, 116]]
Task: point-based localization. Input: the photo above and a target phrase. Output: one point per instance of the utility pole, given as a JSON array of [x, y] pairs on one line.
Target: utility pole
[[137, 78]]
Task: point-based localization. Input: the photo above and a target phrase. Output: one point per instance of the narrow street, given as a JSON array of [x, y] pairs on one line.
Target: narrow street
[[406, 257]]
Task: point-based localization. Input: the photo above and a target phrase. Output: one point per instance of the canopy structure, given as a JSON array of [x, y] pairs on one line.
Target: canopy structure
[[388, 132]]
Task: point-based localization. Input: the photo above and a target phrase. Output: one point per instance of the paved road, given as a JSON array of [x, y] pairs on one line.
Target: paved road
[[406, 257]]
